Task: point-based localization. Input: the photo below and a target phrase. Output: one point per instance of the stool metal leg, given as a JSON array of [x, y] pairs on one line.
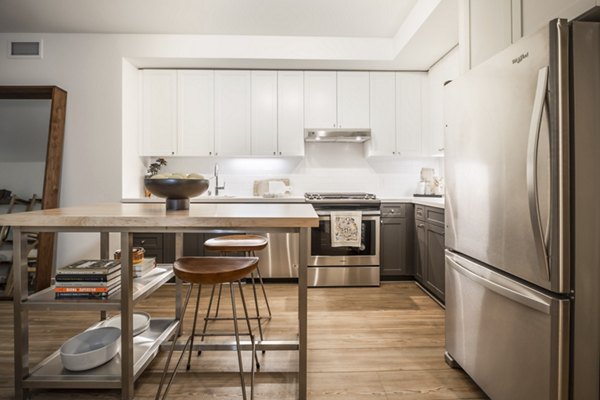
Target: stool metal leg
[[257, 306], [248, 323], [194, 327], [237, 341], [218, 301], [262, 285], [162, 378], [210, 302]]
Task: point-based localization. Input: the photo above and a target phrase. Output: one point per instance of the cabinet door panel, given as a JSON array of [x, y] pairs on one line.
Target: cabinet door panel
[[383, 114], [290, 115], [159, 113], [264, 113], [195, 110], [435, 278], [353, 100], [409, 112], [320, 99], [232, 113], [394, 246]]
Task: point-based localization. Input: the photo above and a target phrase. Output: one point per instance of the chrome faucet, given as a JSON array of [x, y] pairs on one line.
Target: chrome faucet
[[217, 187]]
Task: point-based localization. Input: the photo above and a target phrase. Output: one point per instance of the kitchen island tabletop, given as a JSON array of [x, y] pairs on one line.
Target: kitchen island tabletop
[[127, 219]]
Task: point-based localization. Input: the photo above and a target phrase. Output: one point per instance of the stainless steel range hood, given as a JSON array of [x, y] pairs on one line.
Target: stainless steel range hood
[[337, 135]]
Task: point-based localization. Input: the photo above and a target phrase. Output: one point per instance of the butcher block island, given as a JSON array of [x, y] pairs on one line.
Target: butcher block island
[[127, 219]]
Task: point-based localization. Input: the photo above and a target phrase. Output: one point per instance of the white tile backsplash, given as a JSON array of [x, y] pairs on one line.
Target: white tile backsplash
[[325, 167]]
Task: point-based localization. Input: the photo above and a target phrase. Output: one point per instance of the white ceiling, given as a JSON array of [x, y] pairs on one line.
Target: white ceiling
[[360, 34], [337, 18]]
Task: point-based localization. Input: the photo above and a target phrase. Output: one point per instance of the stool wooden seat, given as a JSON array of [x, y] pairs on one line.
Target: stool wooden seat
[[247, 244], [236, 243], [213, 271]]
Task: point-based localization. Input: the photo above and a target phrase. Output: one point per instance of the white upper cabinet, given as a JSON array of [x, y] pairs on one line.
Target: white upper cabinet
[[159, 113], [336, 99], [353, 100], [195, 115], [232, 113], [264, 113], [290, 107], [320, 105], [409, 112], [383, 114]]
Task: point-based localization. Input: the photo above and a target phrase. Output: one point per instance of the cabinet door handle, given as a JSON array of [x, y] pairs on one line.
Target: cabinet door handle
[[420, 226], [279, 153], [274, 153], [442, 149], [210, 153]]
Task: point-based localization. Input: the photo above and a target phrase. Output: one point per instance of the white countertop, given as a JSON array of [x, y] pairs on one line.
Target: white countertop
[[426, 201], [221, 199]]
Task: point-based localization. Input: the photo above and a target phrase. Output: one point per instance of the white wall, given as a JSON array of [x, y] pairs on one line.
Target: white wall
[[92, 68], [446, 69]]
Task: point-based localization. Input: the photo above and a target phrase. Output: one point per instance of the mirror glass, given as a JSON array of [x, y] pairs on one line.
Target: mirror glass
[[23, 147]]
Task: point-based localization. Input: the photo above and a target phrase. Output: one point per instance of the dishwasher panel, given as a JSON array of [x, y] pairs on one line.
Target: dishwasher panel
[[281, 257]]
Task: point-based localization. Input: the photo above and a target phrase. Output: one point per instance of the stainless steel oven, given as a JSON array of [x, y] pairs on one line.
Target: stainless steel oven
[[346, 265]]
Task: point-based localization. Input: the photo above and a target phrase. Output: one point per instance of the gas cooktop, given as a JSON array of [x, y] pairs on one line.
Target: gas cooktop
[[325, 196]]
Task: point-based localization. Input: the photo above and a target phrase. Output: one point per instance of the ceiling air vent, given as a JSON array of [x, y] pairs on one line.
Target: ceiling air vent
[[21, 49]]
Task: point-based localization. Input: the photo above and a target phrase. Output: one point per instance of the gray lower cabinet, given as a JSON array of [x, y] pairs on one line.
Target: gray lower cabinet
[[396, 250], [162, 245], [429, 249]]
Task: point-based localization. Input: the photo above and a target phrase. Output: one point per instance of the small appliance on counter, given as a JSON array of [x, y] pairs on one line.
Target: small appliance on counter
[[272, 188], [430, 185]]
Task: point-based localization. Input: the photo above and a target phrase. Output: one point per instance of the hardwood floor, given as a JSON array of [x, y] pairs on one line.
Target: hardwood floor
[[364, 343]]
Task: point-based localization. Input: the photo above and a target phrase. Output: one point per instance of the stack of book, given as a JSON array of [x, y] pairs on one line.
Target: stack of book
[[144, 267], [88, 279]]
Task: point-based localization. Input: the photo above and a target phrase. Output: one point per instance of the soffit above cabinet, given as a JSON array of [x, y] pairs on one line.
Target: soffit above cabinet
[[281, 34]]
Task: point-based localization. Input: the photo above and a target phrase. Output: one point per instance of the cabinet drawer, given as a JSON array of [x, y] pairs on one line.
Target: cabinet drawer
[[420, 212], [148, 241], [393, 211], [434, 216]]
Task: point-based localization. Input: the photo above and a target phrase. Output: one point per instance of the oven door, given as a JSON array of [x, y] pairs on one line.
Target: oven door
[[321, 253]]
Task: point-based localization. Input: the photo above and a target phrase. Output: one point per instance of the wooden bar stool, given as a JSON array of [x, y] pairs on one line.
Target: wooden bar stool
[[212, 271], [247, 244]]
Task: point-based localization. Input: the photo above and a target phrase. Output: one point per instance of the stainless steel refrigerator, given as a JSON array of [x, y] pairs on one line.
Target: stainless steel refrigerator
[[522, 166]]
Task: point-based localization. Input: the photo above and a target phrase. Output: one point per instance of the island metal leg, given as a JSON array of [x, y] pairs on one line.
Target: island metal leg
[[104, 247], [178, 287], [302, 315], [127, 390], [21, 315]]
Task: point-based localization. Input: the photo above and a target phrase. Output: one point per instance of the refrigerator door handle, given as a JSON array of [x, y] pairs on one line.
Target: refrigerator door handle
[[504, 288], [532, 170]]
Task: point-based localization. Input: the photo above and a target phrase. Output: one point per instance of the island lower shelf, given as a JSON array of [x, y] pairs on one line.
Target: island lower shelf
[[50, 373], [142, 288]]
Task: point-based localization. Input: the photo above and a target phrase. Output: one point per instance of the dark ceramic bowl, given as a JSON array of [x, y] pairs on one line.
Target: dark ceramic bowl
[[176, 191]]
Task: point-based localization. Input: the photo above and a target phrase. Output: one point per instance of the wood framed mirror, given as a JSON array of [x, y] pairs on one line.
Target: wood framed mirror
[[46, 242]]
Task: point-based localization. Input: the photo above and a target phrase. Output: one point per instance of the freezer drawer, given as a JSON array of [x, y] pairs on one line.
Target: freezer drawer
[[512, 340]]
